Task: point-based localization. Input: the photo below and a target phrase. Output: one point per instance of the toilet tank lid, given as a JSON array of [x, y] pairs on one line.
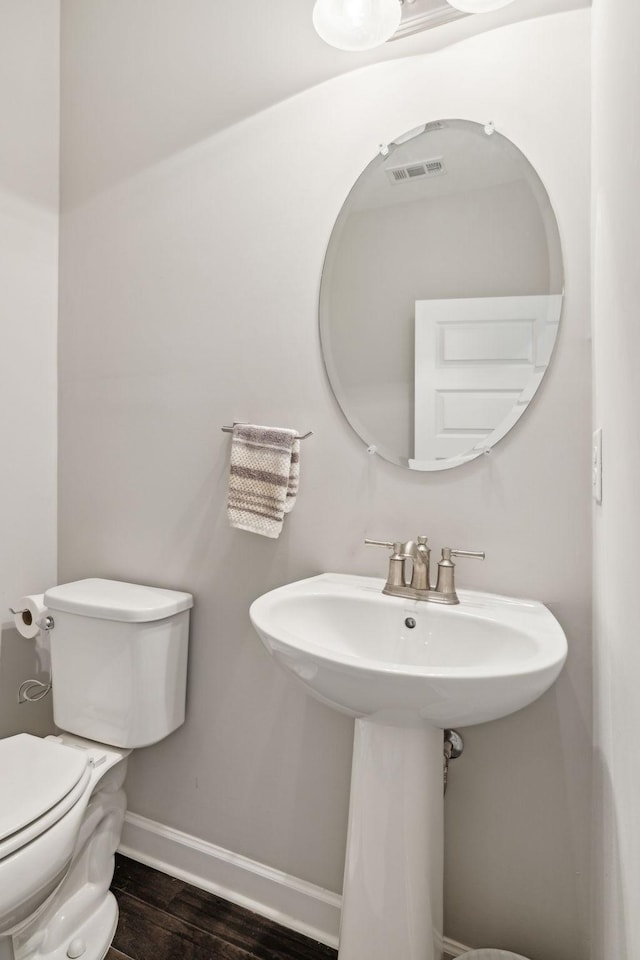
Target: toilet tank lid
[[114, 600]]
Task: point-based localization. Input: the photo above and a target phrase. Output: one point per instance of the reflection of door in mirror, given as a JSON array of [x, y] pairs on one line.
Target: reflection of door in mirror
[[478, 362]]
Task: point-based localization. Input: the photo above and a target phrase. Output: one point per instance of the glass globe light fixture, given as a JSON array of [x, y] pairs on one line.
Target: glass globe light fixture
[[478, 6], [356, 24]]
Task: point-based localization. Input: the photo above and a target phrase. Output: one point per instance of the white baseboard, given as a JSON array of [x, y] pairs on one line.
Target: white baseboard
[[454, 949], [305, 907], [297, 904]]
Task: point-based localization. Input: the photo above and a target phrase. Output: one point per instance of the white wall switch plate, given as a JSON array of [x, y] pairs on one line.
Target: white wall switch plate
[[596, 466]]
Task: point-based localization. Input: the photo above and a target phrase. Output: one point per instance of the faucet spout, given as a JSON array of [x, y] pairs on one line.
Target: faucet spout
[[419, 553]]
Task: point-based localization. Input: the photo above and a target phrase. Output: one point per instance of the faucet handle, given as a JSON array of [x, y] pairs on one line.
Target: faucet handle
[[396, 546], [446, 569], [448, 552], [395, 577]]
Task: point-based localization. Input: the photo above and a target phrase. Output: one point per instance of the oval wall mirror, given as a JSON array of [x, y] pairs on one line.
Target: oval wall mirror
[[441, 295]]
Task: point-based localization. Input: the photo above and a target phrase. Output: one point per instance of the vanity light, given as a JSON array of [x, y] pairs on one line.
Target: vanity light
[[356, 24], [478, 6]]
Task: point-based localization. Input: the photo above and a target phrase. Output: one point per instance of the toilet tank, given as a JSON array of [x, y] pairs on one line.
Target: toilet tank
[[118, 660]]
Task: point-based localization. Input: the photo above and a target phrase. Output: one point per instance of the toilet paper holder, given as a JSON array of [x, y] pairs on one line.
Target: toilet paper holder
[[47, 622], [32, 690]]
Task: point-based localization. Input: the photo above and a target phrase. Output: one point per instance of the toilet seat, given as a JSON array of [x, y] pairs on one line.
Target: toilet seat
[[47, 779]]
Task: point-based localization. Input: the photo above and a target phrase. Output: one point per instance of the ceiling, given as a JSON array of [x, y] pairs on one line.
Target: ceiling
[[171, 80]]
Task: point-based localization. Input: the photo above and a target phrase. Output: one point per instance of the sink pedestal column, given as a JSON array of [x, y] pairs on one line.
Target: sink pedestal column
[[392, 895]]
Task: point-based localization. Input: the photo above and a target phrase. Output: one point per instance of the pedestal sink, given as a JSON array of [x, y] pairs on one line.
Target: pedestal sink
[[405, 669]]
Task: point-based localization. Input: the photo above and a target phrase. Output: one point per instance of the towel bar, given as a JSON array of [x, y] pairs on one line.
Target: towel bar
[[303, 436]]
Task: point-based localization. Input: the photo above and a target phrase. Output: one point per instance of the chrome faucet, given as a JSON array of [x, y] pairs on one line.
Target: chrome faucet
[[418, 586]]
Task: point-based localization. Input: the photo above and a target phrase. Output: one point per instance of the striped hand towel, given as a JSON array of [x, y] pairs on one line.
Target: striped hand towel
[[263, 477]]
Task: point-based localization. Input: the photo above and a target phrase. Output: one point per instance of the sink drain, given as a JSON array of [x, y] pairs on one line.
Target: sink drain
[[410, 622]]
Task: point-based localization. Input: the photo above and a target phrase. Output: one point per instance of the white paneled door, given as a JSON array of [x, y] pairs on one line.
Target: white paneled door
[[478, 362]]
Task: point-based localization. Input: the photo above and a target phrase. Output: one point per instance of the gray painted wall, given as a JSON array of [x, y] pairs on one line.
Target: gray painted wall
[[190, 271], [29, 91]]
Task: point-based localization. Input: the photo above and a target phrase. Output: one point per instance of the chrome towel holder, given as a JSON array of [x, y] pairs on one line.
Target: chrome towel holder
[[302, 436]]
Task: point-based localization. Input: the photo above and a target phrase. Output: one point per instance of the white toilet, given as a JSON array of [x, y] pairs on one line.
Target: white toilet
[[118, 665]]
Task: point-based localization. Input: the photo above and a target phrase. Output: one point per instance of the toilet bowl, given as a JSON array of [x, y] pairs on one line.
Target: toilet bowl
[[61, 816], [118, 659]]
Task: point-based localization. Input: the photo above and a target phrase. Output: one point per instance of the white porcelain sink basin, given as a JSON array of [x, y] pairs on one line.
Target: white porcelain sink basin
[[352, 648]]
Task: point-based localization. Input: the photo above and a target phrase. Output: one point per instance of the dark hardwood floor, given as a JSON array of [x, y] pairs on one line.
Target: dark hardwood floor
[[166, 919]]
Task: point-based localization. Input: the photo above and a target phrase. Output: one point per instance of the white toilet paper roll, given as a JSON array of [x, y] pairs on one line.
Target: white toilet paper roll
[[30, 610]]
